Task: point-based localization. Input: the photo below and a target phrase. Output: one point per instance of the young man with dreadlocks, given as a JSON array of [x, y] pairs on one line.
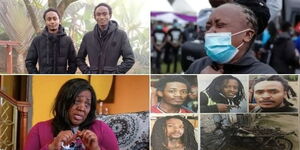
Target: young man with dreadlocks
[[270, 94], [223, 93], [173, 132]]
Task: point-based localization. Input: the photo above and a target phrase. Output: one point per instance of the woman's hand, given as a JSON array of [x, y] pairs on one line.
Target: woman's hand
[[65, 137], [89, 139]]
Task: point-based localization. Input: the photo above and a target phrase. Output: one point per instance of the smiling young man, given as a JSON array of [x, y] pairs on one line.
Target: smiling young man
[[53, 50], [172, 92], [104, 46], [222, 94], [270, 94]]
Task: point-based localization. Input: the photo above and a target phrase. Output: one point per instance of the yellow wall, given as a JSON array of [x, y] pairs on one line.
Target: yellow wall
[[131, 94], [9, 85]]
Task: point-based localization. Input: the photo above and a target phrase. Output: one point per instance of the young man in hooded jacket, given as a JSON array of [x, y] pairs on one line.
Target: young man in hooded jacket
[[104, 46], [53, 50]]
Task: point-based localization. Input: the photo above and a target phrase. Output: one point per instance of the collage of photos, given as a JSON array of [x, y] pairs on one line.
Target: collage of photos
[[149, 74], [224, 112]]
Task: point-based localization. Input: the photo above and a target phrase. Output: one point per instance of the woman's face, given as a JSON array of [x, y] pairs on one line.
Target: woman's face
[[175, 128], [230, 18], [230, 88], [79, 111]]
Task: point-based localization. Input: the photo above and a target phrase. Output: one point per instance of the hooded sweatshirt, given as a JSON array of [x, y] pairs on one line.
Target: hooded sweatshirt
[[104, 50], [55, 54]]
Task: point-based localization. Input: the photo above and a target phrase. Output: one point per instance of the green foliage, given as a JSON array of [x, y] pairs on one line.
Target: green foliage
[[291, 77], [128, 15]]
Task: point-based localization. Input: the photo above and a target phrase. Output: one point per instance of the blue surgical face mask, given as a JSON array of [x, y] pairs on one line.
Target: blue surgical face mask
[[219, 48]]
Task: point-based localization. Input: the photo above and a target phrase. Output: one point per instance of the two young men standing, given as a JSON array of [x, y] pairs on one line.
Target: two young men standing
[[55, 53]]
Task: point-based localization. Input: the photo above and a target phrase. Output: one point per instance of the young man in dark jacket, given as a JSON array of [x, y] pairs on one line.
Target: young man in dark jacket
[[104, 46], [53, 49]]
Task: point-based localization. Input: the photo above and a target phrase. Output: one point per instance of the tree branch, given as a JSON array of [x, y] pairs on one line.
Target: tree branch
[[62, 6], [32, 15], [52, 3]]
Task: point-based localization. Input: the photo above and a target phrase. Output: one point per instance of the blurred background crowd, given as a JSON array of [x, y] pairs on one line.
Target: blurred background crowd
[[178, 29]]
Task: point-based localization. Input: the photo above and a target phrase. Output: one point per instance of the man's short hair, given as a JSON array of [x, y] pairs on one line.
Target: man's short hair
[[161, 84], [51, 9], [105, 5]]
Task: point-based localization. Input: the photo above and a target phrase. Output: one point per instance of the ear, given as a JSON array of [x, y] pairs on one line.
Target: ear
[[249, 35], [160, 93], [285, 94]]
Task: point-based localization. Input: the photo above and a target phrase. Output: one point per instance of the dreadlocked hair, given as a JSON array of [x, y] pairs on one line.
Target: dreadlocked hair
[[215, 89], [159, 139]]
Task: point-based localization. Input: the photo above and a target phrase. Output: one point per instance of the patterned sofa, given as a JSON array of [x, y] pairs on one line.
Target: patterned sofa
[[131, 129]]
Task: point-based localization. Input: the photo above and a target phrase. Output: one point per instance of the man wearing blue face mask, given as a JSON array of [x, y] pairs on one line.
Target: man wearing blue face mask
[[231, 30]]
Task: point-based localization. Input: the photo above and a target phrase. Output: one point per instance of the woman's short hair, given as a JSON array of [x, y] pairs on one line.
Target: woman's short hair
[[250, 16], [65, 100]]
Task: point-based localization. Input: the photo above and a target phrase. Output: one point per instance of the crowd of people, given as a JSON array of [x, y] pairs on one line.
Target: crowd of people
[[257, 41]]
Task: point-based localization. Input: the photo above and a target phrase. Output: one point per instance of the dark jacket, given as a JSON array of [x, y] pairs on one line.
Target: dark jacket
[[103, 50], [283, 55], [55, 54], [248, 64], [285, 108], [206, 98]]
